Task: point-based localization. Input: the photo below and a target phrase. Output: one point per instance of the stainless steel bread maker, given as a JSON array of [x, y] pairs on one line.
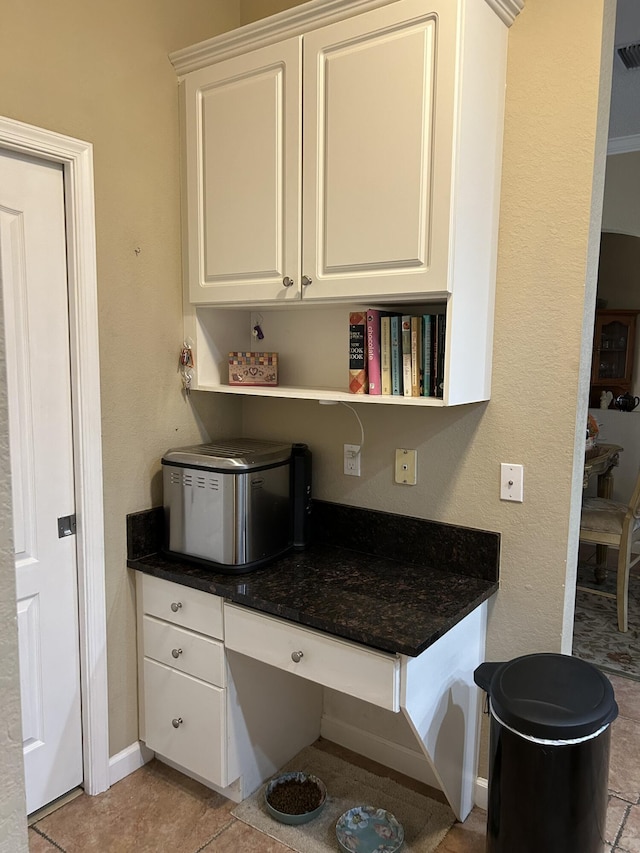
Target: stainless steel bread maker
[[236, 503]]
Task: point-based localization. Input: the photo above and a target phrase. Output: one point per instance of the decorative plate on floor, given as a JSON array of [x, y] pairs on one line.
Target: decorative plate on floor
[[365, 829]]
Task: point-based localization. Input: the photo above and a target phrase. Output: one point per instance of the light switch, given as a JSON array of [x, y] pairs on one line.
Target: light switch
[[511, 482]]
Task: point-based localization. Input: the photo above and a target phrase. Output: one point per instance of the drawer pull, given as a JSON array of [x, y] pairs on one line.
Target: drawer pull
[[176, 722], [176, 605], [176, 652], [296, 657]]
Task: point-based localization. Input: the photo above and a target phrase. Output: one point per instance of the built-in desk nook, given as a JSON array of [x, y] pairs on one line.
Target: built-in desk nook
[[386, 609]]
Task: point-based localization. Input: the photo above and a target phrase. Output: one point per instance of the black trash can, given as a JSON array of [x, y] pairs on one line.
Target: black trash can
[[548, 754]]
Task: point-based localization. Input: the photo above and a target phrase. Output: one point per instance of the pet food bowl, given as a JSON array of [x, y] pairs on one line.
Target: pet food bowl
[[293, 801]]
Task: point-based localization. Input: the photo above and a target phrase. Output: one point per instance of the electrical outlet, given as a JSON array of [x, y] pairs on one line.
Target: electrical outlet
[[511, 482], [352, 460], [406, 467]]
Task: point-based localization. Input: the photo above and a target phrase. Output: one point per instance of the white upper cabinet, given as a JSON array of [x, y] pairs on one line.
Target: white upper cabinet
[[348, 162], [341, 156], [242, 126], [374, 218]]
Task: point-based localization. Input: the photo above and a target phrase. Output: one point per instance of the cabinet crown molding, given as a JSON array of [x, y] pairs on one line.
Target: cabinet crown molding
[[294, 22]]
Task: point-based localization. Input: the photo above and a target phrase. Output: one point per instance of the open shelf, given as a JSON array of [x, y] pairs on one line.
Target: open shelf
[[336, 395], [312, 347]]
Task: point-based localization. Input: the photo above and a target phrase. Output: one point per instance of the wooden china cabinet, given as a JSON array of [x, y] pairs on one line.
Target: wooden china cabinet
[[613, 353]]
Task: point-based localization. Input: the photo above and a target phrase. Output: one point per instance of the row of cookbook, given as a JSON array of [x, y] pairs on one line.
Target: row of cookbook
[[397, 354]]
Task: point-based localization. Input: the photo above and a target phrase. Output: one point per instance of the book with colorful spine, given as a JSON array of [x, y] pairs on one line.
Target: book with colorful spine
[[406, 355], [385, 353], [358, 381], [396, 355], [373, 351]]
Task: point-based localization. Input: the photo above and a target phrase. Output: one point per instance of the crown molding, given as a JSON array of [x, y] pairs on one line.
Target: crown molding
[[506, 10], [294, 22], [624, 144]]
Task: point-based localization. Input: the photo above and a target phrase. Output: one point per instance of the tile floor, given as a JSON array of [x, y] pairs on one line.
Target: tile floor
[[157, 810], [595, 638]]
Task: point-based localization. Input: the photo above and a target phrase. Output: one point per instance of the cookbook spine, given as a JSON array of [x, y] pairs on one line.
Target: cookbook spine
[[357, 353], [373, 351]]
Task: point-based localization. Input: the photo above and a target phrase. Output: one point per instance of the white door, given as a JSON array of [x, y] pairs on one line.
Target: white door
[[34, 280]]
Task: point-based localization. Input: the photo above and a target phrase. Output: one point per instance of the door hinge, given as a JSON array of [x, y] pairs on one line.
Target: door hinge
[[66, 526]]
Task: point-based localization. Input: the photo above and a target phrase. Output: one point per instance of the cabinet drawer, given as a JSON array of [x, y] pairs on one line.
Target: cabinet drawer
[[198, 742], [182, 605], [365, 673], [191, 653]]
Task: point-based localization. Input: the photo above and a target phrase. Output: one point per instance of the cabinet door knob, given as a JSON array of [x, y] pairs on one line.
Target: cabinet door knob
[[296, 657], [306, 280], [176, 652], [176, 605], [287, 281], [176, 722]]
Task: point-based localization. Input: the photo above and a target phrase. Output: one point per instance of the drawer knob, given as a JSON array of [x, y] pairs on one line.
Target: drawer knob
[[306, 280], [176, 605], [176, 652], [296, 657], [176, 722], [287, 282]]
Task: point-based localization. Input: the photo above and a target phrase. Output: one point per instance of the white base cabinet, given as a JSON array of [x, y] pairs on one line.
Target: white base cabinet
[[313, 655], [434, 691], [183, 679], [267, 703], [344, 153], [221, 718], [186, 721]]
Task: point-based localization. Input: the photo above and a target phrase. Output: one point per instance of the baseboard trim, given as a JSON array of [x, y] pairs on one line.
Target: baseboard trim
[[624, 144], [379, 749], [408, 761], [128, 760], [482, 793]]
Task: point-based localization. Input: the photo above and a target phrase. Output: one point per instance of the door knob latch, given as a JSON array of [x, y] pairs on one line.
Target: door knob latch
[[66, 526]]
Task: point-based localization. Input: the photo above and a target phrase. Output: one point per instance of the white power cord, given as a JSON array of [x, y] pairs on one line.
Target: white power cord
[[349, 406]]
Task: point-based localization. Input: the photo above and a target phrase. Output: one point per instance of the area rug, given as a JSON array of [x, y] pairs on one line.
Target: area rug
[[425, 821], [595, 630]]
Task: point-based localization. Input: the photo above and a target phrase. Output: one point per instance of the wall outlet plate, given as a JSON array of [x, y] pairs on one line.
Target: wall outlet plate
[[352, 460], [406, 467]]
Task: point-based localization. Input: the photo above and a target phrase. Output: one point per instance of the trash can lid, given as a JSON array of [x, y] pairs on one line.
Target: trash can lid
[[552, 696]]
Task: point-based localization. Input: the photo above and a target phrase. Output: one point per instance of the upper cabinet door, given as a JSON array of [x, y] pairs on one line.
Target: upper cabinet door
[[242, 193], [378, 147]]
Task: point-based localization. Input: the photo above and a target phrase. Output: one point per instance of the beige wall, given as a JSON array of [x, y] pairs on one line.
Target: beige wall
[[547, 262], [619, 273], [548, 173], [619, 285], [621, 208], [254, 10], [100, 72]]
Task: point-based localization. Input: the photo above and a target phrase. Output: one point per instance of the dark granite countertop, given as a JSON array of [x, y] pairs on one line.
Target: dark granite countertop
[[401, 604]]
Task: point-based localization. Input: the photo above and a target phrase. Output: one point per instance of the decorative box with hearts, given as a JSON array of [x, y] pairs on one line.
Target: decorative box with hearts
[[253, 368]]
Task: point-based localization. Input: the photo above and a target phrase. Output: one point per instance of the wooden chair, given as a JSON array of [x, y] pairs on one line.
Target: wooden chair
[[607, 522]]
